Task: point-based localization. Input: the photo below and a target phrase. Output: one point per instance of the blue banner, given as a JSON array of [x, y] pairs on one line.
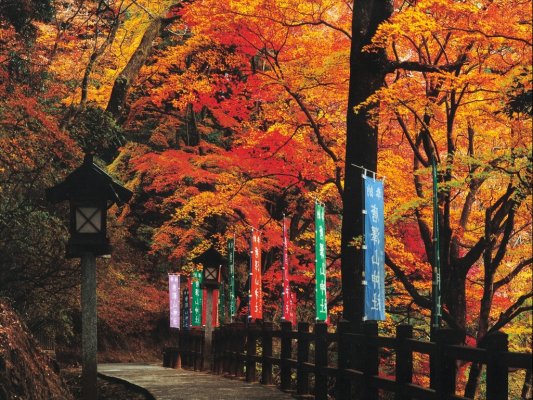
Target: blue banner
[[374, 250]]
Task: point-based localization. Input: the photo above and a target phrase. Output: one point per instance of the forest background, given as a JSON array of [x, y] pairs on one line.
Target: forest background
[[229, 114]]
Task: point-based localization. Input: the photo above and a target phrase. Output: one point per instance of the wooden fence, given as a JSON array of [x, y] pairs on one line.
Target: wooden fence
[[346, 364]]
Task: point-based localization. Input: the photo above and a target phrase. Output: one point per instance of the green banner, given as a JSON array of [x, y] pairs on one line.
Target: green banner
[[231, 267], [320, 263], [196, 299]]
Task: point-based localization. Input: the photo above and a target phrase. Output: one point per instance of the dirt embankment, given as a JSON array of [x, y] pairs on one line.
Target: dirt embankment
[[25, 372]]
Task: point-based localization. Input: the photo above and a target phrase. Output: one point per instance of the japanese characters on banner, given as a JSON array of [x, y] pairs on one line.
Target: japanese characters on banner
[[374, 249], [256, 294], [186, 309], [286, 297], [231, 267], [196, 299], [320, 263], [222, 304], [174, 297]]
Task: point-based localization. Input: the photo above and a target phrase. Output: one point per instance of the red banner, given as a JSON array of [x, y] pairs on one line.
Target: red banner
[[256, 293], [292, 318], [286, 298]]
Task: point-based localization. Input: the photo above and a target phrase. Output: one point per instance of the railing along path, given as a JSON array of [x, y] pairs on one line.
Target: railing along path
[[346, 364]]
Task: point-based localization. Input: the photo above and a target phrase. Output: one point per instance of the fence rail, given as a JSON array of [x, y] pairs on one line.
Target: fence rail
[[346, 364]]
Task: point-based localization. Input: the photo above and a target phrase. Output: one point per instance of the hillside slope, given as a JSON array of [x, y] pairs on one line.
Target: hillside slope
[[25, 372]]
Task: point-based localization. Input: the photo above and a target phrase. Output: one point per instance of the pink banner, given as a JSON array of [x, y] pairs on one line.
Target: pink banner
[[256, 293], [286, 298], [174, 297]]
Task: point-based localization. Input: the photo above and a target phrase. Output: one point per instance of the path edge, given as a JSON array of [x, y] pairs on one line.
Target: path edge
[[131, 385]]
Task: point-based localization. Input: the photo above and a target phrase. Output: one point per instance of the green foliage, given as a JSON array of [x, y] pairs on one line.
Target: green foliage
[[96, 131]]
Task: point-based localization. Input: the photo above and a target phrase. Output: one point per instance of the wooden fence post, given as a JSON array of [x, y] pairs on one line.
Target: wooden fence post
[[404, 360], [446, 365], [286, 353], [198, 346], [321, 361], [240, 335], [224, 347], [497, 371], [370, 360], [251, 339], [302, 374], [184, 348], [266, 366], [233, 339], [343, 385]]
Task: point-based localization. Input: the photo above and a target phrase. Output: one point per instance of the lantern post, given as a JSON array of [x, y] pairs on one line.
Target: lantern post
[[211, 261], [90, 192]]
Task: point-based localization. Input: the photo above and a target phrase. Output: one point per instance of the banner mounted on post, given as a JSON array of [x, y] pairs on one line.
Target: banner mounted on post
[[174, 299], [186, 309], [196, 299], [231, 268], [320, 263], [374, 249], [286, 297], [256, 293]]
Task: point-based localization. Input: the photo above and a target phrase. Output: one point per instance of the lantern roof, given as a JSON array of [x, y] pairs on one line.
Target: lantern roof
[[209, 258], [89, 181]]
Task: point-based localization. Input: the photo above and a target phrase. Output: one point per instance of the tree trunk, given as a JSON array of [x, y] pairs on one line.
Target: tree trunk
[[367, 73], [527, 389], [123, 82], [97, 53]]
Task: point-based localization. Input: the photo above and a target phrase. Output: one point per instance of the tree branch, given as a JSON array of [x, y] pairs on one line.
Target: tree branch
[[512, 274]]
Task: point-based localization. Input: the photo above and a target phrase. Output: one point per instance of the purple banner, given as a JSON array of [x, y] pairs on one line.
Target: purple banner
[[174, 296]]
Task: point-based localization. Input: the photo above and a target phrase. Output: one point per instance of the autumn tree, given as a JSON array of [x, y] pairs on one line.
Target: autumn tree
[[367, 74], [447, 99]]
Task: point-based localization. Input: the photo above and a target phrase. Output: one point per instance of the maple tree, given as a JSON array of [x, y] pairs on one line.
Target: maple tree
[[222, 116]]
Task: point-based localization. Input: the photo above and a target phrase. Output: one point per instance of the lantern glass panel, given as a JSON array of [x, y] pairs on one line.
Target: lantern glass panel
[[211, 273], [88, 220]]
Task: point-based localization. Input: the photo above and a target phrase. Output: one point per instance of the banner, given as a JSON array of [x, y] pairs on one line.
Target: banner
[[186, 309], [374, 250], [292, 316], [320, 263], [436, 312], [174, 298], [222, 305], [231, 267], [214, 307], [286, 297], [256, 294], [196, 299]]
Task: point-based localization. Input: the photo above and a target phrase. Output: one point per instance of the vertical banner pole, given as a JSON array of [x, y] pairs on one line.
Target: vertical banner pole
[[321, 306], [231, 267], [285, 298], [435, 286]]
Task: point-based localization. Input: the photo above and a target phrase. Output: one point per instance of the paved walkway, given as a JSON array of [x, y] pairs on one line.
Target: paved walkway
[[177, 384]]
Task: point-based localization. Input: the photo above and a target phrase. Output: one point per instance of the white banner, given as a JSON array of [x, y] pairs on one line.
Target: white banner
[[174, 297]]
